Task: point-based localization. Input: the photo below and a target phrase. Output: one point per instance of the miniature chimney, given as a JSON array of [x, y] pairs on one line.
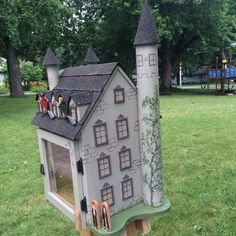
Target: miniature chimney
[[145, 43], [91, 57], [50, 61]]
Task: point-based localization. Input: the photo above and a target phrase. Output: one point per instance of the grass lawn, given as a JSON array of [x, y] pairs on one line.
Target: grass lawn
[[199, 149]]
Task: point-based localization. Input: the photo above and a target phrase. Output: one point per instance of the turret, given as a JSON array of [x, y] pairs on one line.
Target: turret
[[50, 61], [91, 57], [145, 43]]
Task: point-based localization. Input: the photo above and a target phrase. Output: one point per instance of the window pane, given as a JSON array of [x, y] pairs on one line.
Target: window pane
[[60, 175]]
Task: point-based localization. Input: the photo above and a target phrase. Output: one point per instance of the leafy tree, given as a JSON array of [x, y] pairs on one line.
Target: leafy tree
[[107, 25], [30, 72], [189, 26], [27, 28], [191, 31]]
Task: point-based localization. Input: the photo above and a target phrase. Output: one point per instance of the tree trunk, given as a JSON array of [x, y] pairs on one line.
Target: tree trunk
[[166, 67], [15, 83]]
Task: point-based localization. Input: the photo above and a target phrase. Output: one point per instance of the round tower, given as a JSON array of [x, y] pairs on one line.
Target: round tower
[[145, 43], [50, 61]]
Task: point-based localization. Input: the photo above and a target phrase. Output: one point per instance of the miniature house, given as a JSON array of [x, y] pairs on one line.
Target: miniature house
[[93, 148]]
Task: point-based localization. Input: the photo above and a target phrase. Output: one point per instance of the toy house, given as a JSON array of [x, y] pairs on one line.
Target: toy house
[[100, 158]]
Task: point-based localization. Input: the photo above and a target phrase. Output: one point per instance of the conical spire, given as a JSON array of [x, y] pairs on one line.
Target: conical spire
[[91, 57], [50, 58], [146, 33]]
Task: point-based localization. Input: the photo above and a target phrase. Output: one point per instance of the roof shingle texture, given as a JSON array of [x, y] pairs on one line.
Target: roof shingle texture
[[91, 57], [50, 58], [146, 32], [83, 84]]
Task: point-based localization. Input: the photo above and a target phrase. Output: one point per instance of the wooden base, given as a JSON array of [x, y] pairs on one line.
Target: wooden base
[[143, 226], [86, 232], [132, 229]]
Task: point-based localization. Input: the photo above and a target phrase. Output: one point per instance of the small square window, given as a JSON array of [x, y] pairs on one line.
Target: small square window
[[125, 158], [119, 95], [127, 188], [152, 59], [122, 128], [104, 166], [139, 59], [107, 195], [100, 133]]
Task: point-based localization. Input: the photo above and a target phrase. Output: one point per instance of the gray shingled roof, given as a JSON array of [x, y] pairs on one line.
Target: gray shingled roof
[[83, 84], [50, 58], [91, 57], [97, 69], [146, 32]]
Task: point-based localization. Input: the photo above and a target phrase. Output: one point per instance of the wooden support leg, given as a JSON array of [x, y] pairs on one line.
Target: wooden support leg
[[143, 226], [130, 230], [86, 232]]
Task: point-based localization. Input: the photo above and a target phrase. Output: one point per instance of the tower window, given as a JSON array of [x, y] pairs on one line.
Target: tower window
[[107, 194], [127, 188], [119, 95], [152, 59], [139, 60], [125, 158], [100, 133], [104, 166], [122, 127]]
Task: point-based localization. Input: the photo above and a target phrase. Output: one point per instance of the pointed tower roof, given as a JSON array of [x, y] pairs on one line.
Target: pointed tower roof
[[50, 58], [146, 33], [91, 57]]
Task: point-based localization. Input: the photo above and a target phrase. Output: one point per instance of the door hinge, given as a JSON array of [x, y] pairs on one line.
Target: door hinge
[[42, 170], [80, 167], [83, 205]]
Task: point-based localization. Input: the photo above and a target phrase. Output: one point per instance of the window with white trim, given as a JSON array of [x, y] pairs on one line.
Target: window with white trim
[[125, 158], [122, 128], [107, 194], [100, 133], [119, 95], [127, 188], [104, 165]]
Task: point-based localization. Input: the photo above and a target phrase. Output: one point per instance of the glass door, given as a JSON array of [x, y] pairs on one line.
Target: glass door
[[60, 174]]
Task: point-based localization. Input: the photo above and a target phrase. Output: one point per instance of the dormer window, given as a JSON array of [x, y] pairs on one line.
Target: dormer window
[[152, 59], [119, 95], [139, 59], [100, 133], [122, 128], [44, 106], [73, 112]]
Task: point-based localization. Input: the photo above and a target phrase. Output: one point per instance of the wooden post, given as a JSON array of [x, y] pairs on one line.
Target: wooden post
[[143, 226], [86, 232], [130, 230]]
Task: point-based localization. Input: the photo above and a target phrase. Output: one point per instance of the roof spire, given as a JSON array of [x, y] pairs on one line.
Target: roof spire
[[50, 58], [91, 57], [146, 33]]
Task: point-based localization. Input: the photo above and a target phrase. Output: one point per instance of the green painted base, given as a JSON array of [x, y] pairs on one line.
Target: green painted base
[[120, 220]]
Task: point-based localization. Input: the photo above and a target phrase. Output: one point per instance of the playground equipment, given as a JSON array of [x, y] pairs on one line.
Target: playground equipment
[[222, 73]]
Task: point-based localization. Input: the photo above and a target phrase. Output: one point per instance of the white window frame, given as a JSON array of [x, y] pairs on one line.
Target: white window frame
[[43, 137]]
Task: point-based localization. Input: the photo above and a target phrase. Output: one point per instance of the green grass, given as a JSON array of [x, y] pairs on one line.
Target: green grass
[[199, 149]]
